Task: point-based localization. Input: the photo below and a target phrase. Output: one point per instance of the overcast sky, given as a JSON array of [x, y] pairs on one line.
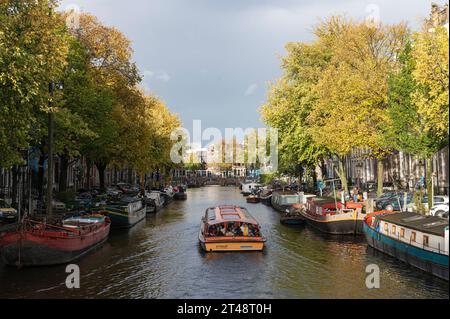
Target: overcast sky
[[212, 59]]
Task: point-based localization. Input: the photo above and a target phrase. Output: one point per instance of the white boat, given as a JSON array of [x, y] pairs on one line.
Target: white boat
[[247, 189]]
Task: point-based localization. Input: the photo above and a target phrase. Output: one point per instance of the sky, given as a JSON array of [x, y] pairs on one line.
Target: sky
[[212, 60]]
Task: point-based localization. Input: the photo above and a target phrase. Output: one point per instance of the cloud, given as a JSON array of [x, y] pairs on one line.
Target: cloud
[[164, 77], [148, 74], [251, 89]]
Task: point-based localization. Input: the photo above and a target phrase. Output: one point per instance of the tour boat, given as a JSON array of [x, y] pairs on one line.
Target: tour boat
[[126, 213], [293, 217], [418, 240], [36, 243], [230, 229], [332, 217]]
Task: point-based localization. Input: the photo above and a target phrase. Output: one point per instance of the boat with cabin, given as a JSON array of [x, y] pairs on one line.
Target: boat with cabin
[[283, 201], [250, 188], [37, 243], [230, 229], [418, 240], [266, 197], [180, 192], [125, 213], [154, 201], [333, 217]]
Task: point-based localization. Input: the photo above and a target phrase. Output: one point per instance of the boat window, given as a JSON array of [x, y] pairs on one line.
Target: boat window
[[230, 217], [426, 240], [413, 236], [386, 227], [211, 215], [402, 233], [394, 229]]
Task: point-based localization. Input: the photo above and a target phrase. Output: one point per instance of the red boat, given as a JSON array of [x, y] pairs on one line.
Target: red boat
[[40, 244]]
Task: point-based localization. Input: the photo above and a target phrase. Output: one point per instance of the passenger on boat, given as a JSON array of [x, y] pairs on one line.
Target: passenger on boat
[[244, 230]]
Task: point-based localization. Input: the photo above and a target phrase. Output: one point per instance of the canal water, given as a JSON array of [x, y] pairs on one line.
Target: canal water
[[161, 258]]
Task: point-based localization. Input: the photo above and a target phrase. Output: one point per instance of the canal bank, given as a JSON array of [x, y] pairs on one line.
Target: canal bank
[[161, 258]]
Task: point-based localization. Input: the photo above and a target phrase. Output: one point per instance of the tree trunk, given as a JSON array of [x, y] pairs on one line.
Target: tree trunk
[[101, 167], [88, 174], [429, 182], [379, 177], [15, 186], [142, 183], [63, 173], [343, 174], [40, 181]]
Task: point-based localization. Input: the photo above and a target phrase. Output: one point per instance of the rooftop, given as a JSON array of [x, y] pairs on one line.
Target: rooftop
[[426, 224]]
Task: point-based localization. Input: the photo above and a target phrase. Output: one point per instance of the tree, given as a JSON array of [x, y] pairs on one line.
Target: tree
[[33, 48], [351, 107], [411, 131]]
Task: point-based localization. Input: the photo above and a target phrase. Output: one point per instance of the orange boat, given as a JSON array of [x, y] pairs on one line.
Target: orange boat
[[230, 228]]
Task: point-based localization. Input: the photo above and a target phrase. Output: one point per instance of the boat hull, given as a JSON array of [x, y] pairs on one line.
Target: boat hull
[[292, 221], [36, 250], [434, 263], [121, 219], [180, 196], [336, 225], [267, 201], [231, 245]]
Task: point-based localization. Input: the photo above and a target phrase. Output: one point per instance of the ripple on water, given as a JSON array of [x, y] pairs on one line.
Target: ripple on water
[[161, 258]]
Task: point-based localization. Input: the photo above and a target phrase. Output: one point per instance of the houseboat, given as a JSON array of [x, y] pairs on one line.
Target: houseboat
[[168, 195], [332, 217], [154, 201], [249, 188], [37, 243], [126, 213], [418, 240], [283, 201], [229, 229]]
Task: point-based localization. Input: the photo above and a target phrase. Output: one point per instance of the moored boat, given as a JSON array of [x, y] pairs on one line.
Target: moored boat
[[253, 199], [332, 217], [293, 217], [229, 229], [125, 213], [420, 241], [180, 193], [154, 201], [37, 243], [249, 188], [266, 197], [283, 201]]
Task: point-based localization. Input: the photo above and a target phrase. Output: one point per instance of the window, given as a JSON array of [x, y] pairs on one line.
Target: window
[[402, 233], [386, 227], [394, 229], [413, 236], [426, 241]]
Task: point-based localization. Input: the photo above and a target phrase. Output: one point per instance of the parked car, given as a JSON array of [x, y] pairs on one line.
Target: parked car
[[7, 213], [440, 210], [438, 200], [396, 202]]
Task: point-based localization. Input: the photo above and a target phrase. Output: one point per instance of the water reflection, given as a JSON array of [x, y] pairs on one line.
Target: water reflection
[[160, 258]]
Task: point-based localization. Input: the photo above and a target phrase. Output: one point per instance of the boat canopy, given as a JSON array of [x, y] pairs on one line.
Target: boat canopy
[[226, 214]]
